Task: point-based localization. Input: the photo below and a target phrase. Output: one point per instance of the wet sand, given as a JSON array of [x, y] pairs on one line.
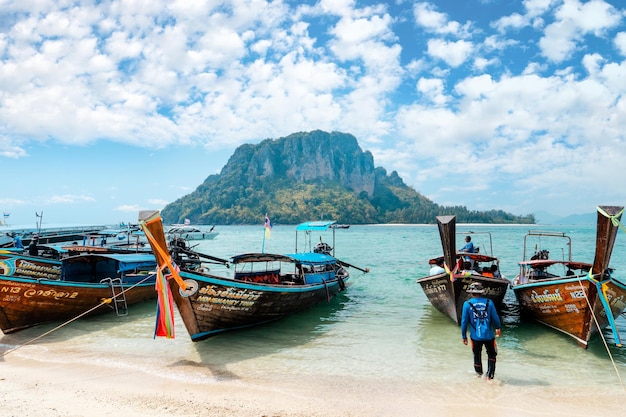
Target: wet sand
[[34, 388]]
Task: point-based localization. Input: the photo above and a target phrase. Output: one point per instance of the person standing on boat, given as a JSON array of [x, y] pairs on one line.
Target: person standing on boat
[[480, 315], [17, 242], [32, 247]]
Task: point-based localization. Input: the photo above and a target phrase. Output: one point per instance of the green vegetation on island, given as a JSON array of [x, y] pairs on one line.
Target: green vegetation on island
[[313, 175]]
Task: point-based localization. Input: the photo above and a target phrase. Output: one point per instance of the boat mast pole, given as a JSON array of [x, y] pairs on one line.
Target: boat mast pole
[[38, 224]]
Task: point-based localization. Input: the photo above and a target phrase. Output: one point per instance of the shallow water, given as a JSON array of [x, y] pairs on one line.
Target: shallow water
[[381, 329]]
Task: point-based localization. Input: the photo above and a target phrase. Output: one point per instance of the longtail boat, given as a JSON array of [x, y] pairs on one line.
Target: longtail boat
[[83, 285], [264, 287], [576, 298], [447, 290]]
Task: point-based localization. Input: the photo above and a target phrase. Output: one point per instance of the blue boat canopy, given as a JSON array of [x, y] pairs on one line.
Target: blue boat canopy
[[124, 261], [305, 257], [312, 258], [315, 225]]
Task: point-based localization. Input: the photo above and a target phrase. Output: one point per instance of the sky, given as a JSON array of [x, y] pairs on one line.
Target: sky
[[111, 107]]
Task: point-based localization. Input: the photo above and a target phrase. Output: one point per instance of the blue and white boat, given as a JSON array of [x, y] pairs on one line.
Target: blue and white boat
[[263, 288], [34, 290]]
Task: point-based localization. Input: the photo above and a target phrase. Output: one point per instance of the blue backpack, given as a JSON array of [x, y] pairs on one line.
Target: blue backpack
[[481, 319]]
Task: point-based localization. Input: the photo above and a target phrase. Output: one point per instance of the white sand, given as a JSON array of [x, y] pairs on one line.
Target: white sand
[[37, 388]]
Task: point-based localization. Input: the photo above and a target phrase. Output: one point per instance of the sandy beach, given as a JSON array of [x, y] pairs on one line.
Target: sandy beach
[[36, 388]]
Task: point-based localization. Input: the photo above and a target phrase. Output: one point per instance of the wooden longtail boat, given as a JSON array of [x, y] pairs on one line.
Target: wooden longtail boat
[[447, 290], [91, 283], [263, 288], [575, 298]]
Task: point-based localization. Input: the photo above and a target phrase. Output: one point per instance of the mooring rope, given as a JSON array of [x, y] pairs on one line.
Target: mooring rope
[[606, 345], [104, 301], [616, 222]]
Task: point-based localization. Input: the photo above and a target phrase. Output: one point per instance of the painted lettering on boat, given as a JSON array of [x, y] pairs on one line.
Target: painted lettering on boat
[[27, 268], [571, 308], [50, 293], [546, 297], [577, 294], [616, 302], [10, 289], [574, 287], [436, 287], [230, 299]]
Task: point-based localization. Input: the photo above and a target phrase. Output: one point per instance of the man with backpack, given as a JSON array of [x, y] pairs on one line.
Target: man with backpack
[[481, 316]]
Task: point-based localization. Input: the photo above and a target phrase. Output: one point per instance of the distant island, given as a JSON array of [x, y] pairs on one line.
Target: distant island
[[313, 175]]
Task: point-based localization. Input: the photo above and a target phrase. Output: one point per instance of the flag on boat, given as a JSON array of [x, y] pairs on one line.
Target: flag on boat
[[268, 227], [165, 306]]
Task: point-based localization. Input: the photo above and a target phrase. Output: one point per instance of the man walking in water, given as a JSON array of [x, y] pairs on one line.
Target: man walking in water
[[481, 316]]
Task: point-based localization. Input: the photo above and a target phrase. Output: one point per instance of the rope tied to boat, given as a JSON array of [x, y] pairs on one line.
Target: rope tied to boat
[[600, 290], [103, 301], [614, 219]]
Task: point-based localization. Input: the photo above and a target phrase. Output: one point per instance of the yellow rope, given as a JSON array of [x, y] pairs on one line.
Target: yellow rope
[[103, 302], [614, 219]]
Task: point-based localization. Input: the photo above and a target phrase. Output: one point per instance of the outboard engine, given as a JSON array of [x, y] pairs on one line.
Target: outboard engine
[[322, 248]]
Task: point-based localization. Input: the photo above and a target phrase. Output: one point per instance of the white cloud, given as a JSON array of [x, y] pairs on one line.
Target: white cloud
[[130, 208], [620, 43], [502, 127], [432, 88], [10, 150], [70, 198], [159, 74], [429, 18], [454, 53], [573, 21]]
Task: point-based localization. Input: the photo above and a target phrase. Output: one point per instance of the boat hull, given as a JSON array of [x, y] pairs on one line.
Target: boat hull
[[448, 296], [212, 305], [567, 305], [26, 302], [577, 304]]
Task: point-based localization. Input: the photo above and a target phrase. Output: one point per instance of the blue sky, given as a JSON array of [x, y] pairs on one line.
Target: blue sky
[[110, 107]]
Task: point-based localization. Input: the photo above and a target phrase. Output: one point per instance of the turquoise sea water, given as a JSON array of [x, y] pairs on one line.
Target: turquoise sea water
[[382, 328]]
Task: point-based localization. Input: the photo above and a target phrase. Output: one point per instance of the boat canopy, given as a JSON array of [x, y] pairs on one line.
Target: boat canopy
[[312, 258], [125, 262], [544, 263], [315, 225], [260, 257], [305, 258], [478, 257]]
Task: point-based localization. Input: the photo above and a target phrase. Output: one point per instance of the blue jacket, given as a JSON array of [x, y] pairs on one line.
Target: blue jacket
[[468, 318]]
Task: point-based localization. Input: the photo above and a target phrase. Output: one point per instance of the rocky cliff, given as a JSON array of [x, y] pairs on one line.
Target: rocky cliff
[[309, 176]]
